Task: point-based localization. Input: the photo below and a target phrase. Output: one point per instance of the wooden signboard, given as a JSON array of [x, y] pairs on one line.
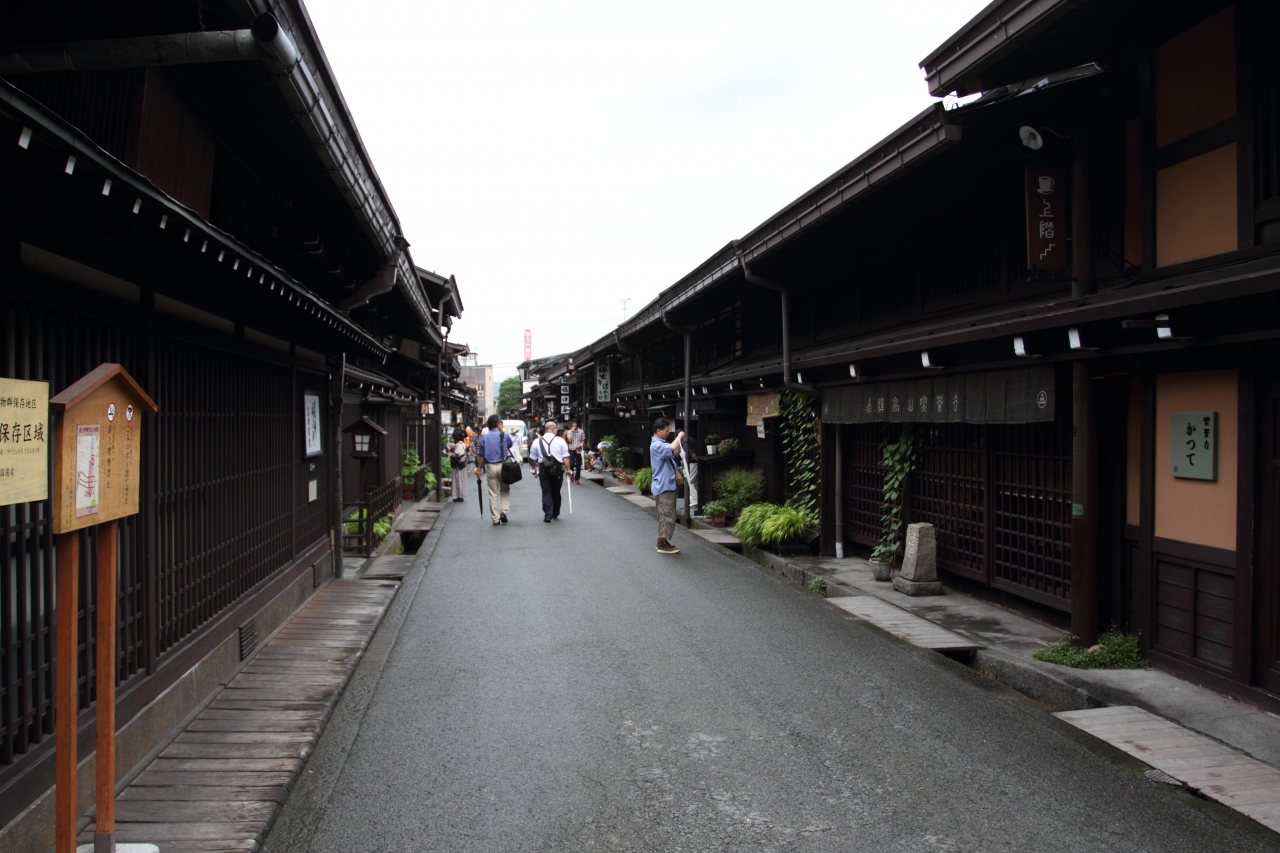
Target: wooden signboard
[[97, 469], [24, 441], [97, 475], [1046, 192]]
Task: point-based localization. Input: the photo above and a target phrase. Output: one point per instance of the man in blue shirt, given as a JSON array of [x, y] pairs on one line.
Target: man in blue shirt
[[662, 459], [491, 450]]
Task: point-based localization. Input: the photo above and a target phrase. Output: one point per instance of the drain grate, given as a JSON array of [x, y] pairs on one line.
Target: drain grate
[[248, 638], [1155, 775]]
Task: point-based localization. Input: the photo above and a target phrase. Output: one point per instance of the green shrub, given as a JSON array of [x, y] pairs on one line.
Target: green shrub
[[1115, 650], [644, 479], [715, 508], [428, 480], [409, 462], [713, 439], [446, 467], [782, 525], [749, 528], [354, 523], [729, 445], [382, 526], [819, 586], [740, 488], [611, 449]]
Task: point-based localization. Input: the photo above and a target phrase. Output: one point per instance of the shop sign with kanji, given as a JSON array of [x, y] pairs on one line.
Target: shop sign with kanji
[[1194, 445], [97, 470], [24, 441]]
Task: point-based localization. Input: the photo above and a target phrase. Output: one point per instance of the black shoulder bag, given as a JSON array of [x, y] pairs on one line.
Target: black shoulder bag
[[511, 472], [548, 465]]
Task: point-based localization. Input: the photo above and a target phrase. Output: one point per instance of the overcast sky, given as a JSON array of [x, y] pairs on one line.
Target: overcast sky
[[560, 157]]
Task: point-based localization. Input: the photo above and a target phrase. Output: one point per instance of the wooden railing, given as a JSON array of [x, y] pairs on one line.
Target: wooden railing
[[359, 519]]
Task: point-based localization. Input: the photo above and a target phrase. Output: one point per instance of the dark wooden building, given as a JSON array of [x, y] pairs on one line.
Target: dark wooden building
[[1046, 283], [210, 220]]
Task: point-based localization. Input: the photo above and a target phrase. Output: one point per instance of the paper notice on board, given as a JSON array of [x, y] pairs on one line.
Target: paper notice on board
[[88, 480]]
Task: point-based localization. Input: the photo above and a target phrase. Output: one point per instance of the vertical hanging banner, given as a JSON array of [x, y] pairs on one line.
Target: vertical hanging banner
[[24, 441], [604, 391], [1046, 193]]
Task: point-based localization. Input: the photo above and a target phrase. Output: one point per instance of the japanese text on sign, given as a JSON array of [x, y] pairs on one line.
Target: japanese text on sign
[[24, 440], [1193, 445]]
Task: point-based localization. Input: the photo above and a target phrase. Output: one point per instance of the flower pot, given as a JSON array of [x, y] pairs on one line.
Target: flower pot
[[711, 450], [881, 571], [720, 520]]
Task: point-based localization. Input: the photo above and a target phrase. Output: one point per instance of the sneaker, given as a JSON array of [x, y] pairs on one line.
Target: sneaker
[[503, 517], [496, 523], [665, 547]]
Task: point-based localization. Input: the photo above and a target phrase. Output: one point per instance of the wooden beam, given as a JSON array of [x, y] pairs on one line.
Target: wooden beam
[[105, 822], [67, 696]]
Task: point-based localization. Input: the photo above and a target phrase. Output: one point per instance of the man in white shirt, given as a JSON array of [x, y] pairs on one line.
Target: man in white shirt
[[551, 455]]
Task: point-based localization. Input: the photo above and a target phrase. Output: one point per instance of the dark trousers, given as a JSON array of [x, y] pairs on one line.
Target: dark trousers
[[551, 495], [575, 460]]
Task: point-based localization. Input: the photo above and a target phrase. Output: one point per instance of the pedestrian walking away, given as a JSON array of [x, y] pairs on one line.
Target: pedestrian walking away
[[662, 459], [575, 438], [551, 455], [458, 459], [492, 449]]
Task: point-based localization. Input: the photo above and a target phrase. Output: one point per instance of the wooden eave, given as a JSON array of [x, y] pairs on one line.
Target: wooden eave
[[94, 379]]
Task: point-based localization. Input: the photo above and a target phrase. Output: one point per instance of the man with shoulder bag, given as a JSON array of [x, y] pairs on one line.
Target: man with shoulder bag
[[551, 455], [492, 450], [662, 459]]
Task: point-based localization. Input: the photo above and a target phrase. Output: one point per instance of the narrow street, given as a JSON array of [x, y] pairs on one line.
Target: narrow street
[[563, 687]]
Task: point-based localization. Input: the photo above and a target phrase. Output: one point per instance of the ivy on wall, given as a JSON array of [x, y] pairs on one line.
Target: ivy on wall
[[802, 450]]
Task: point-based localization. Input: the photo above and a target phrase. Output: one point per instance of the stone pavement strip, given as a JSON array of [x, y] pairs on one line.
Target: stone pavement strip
[[1202, 764], [900, 623], [219, 784]]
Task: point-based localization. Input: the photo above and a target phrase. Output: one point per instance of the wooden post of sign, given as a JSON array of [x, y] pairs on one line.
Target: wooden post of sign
[[97, 475], [104, 833], [67, 692]]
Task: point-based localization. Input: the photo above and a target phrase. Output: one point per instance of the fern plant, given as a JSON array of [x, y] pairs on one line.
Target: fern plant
[[782, 525], [749, 527], [644, 479], [899, 459]]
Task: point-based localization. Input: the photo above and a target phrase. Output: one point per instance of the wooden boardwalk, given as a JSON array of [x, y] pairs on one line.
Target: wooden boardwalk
[[908, 626], [1215, 770], [719, 536], [218, 785]]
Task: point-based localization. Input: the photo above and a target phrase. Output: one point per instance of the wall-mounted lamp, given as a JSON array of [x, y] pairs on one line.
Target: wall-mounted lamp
[[925, 361], [1075, 341]]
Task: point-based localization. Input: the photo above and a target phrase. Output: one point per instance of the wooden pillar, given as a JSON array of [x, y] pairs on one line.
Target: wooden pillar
[[1084, 507], [105, 823], [67, 696]]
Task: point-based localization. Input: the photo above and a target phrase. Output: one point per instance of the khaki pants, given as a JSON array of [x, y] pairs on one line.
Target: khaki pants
[[666, 503], [499, 492]]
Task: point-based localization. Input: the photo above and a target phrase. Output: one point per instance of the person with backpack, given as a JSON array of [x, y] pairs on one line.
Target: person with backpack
[[458, 461], [492, 450], [551, 455], [662, 459]]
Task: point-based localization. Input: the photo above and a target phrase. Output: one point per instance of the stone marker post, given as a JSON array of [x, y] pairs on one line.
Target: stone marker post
[[920, 565]]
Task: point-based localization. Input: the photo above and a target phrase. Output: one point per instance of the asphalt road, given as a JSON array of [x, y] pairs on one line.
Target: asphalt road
[[562, 687]]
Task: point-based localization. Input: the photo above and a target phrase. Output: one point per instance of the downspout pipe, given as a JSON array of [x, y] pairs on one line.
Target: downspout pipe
[[687, 331], [787, 377], [626, 350]]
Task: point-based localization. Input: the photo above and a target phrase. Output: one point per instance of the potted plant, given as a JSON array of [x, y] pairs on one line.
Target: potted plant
[[712, 440], [717, 511], [644, 480], [622, 475], [409, 465], [729, 445], [898, 458]]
